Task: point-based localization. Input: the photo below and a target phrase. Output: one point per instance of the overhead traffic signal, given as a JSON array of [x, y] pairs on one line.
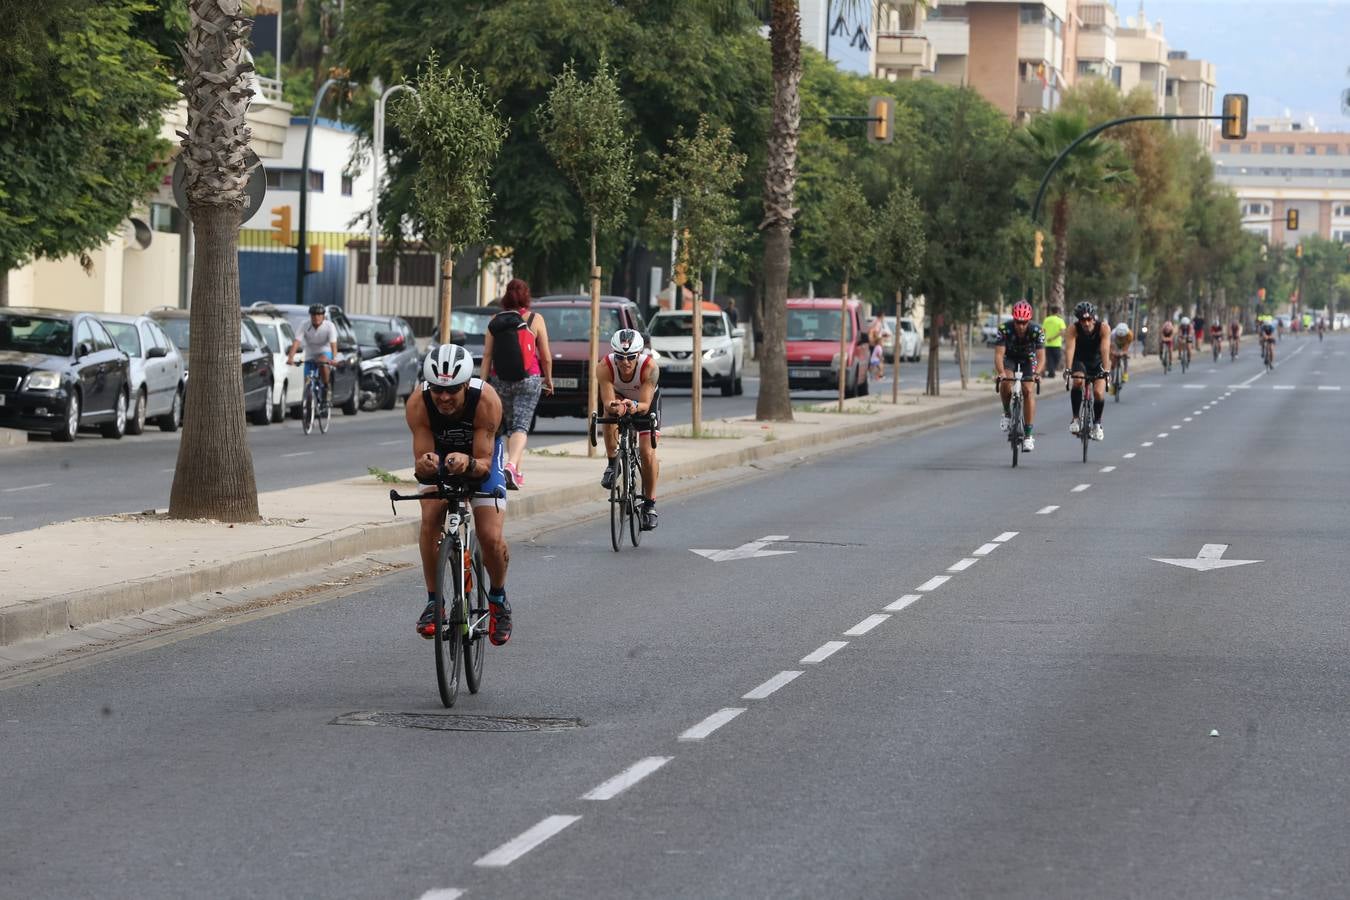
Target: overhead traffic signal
[[281, 225], [1291, 220], [881, 127], [1298, 252], [315, 258], [1234, 117], [1040, 248]]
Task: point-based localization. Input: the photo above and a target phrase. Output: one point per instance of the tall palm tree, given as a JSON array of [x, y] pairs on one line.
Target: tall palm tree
[[214, 476], [1094, 166]]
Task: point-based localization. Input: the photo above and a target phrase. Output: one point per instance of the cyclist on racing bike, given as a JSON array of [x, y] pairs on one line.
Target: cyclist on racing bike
[[628, 384], [1216, 334], [1085, 349], [1020, 344], [1234, 334], [319, 338], [1268, 338], [1166, 336], [454, 420], [1184, 333], [1121, 339]]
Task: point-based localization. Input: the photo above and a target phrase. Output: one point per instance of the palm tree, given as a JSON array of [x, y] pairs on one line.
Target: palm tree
[[1094, 166], [214, 476]]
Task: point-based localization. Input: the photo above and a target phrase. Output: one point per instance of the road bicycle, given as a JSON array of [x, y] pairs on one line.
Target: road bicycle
[[1087, 418], [1232, 349], [1016, 415], [625, 495], [1214, 343], [1267, 357], [462, 615], [315, 406], [1165, 355], [1117, 377], [1184, 356]]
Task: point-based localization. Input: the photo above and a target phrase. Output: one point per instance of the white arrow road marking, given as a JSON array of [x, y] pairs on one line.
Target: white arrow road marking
[[1209, 557], [523, 843], [630, 776], [711, 724], [749, 550], [773, 684]]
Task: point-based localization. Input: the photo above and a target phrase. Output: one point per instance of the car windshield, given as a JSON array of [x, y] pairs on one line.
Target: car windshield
[[127, 338], [573, 323], [365, 331], [683, 326], [270, 338], [35, 335], [474, 325], [813, 324], [177, 329]]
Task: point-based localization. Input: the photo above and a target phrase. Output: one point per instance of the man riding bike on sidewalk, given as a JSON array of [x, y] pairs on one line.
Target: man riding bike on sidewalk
[[1020, 345], [454, 420], [628, 386], [1086, 347]]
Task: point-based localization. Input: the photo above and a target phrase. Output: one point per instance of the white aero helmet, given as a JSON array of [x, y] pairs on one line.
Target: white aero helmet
[[627, 343], [1122, 329], [447, 366], [1185, 320]]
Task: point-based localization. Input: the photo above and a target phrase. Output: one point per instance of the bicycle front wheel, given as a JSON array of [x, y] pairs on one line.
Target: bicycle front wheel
[[476, 623], [618, 506], [1015, 430], [449, 620], [307, 413], [635, 503]]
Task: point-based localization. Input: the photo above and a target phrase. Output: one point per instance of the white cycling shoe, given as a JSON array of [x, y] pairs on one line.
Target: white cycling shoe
[[1028, 444], [1073, 427], [1098, 434], [1003, 423]]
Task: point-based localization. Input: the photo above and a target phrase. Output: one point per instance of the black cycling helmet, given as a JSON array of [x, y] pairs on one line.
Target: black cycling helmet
[[1084, 310], [318, 309]]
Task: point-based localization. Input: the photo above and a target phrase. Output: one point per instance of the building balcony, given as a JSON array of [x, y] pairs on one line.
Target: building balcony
[[904, 51], [1097, 46], [1032, 96]]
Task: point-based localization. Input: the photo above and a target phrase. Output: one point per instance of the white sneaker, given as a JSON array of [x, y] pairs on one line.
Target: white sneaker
[[1028, 444], [1003, 423], [1098, 434], [1073, 427]]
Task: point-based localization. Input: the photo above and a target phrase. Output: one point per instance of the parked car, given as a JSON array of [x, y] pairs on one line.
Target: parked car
[[989, 330], [346, 375], [390, 340], [158, 372], [61, 371], [911, 342], [568, 318], [254, 361], [723, 348], [813, 345], [288, 385]]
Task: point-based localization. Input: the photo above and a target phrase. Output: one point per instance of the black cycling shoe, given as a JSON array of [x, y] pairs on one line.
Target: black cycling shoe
[[649, 516], [611, 472], [499, 620], [426, 626]]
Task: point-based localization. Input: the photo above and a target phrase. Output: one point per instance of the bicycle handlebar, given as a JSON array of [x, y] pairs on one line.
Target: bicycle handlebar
[[632, 418]]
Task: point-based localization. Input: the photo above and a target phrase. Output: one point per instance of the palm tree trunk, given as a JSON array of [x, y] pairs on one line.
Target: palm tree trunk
[[1060, 229], [780, 180]]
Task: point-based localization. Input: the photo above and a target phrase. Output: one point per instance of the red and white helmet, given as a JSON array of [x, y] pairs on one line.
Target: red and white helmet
[[627, 343], [1021, 311], [447, 366]]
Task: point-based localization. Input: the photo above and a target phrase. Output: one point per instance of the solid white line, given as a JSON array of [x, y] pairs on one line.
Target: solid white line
[[630, 776], [771, 685], [1080, 488], [1328, 387], [26, 487], [934, 583], [824, 651], [1194, 387], [985, 549], [963, 564], [518, 846], [711, 724], [1005, 536], [901, 603], [866, 625], [442, 894], [1046, 510], [1146, 444], [1284, 387], [300, 453], [1129, 456], [390, 443], [1106, 469]]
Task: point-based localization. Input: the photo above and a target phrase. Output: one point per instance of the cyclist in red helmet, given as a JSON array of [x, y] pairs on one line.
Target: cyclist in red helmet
[[1020, 345]]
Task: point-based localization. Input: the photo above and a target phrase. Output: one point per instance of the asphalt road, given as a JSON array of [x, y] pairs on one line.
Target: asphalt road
[[1025, 702], [47, 482]]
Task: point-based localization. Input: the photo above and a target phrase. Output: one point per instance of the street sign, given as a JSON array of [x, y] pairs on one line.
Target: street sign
[[1209, 557], [749, 550], [257, 187]]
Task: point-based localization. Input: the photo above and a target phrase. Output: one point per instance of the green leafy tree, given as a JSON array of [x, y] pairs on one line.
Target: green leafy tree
[[81, 108], [898, 249], [456, 134], [846, 220]]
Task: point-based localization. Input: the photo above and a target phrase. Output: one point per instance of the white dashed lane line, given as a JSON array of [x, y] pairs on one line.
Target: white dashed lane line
[[1328, 387], [712, 723], [773, 684], [299, 453], [1285, 387], [1005, 537], [1107, 469], [518, 846], [1046, 510], [823, 652], [630, 776], [901, 603], [442, 894], [1130, 455], [986, 549], [1078, 489], [1146, 444], [963, 564], [1175, 427], [26, 487], [866, 625], [934, 583]]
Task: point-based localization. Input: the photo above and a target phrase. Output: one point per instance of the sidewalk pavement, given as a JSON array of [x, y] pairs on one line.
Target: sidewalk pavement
[[75, 574]]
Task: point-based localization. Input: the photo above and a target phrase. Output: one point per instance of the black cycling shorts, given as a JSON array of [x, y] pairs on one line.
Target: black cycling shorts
[[1091, 368]]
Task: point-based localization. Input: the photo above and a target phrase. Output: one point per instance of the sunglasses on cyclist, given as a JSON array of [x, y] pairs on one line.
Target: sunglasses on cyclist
[[450, 391], [627, 357]]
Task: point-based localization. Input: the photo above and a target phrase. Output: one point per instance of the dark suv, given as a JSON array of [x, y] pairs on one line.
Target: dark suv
[[255, 362], [569, 334], [346, 380], [61, 371]]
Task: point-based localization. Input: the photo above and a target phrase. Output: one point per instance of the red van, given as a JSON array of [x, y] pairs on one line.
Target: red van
[[813, 345]]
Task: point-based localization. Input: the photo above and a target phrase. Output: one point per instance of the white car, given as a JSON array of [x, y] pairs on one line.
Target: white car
[[288, 387], [672, 342], [910, 340]]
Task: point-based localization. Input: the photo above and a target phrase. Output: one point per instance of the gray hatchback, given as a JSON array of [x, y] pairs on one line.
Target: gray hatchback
[[158, 372]]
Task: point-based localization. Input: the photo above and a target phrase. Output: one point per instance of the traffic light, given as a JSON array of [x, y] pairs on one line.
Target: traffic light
[[315, 258], [1291, 220], [281, 225], [1298, 252], [1040, 248], [881, 127], [1261, 294], [1234, 117]]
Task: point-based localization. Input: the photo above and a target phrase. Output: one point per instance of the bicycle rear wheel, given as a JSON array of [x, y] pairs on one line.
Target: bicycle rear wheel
[[475, 631], [449, 620], [307, 411], [618, 505]]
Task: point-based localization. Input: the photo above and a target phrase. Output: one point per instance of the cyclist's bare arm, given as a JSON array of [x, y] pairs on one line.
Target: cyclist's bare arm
[[1040, 361], [1070, 344], [1105, 342], [648, 391], [425, 460], [604, 379], [486, 422], [998, 360]]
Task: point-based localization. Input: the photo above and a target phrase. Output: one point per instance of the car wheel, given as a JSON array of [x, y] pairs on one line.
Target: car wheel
[[740, 385], [136, 424], [279, 408], [729, 384], [353, 404], [263, 414], [72, 423], [118, 426], [864, 385], [391, 395], [173, 419]]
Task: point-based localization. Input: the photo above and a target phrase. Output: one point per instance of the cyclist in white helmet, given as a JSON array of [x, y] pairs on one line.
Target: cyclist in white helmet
[[454, 420], [628, 384]]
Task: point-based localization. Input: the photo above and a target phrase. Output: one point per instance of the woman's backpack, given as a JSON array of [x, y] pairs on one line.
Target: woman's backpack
[[514, 355]]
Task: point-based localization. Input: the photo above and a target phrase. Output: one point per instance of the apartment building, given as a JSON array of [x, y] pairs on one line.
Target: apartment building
[[1192, 86]]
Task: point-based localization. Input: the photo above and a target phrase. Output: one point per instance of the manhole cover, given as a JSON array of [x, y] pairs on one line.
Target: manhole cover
[[458, 722]]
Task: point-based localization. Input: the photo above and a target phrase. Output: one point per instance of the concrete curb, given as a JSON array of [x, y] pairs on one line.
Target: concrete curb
[[10, 437], [54, 615]]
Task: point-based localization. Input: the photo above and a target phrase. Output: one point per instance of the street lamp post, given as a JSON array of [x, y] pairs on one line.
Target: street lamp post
[[301, 267], [374, 276]]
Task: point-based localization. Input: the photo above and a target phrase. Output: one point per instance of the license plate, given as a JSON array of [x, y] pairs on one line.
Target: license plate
[[565, 382], [677, 367], [804, 373]]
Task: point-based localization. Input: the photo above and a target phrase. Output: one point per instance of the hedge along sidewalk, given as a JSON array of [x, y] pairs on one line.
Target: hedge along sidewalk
[[78, 573]]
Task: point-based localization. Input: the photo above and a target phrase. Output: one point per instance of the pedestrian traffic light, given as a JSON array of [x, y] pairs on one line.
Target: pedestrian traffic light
[[1234, 117], [315, 258], [1291, 220], [881, 123], [1040, 248], [281, 225]]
